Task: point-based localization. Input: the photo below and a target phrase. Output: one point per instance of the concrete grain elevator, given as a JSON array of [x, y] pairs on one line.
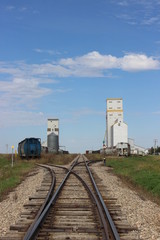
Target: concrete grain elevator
[[116, 129], [53, 135]]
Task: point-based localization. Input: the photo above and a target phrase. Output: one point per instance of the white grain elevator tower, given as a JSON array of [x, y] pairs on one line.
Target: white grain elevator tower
[[53, 135], [116, 129], [53, 126]]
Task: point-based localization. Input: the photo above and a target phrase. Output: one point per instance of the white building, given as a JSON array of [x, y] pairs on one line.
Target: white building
[[53, 126], [52, 135], [117, 130], [134, 149]]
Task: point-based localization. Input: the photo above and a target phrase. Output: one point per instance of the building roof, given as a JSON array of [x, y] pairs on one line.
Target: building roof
[[53, 119], [114, 99], [116, 122]]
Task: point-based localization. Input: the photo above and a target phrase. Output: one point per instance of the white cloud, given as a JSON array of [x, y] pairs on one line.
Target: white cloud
[[138, 62], [60, 90], [91, 60], [10, 7], [53, 69], [95, 62], [47, 51], [20, 87], [86, 111], [22, 9], [144, 12], [123, 3], [21, 91], [21, 118], [75, 115], [151, 20], [92, 64], [21, 84]]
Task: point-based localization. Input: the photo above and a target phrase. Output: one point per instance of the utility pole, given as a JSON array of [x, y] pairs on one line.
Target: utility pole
[[12, 154], [7, 148], [155, 145]]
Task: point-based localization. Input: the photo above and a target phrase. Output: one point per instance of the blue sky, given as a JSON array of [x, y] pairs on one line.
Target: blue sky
[[63, 58]]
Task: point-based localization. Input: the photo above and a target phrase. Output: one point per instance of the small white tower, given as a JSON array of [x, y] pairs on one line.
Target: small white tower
[[53, 126], [53, 135]]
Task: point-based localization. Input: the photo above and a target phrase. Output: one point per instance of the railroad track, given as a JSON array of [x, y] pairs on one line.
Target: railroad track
[[74, 208]]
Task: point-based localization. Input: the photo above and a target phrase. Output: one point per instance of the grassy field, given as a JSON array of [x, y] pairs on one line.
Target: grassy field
[[10, 177], [141, 172]]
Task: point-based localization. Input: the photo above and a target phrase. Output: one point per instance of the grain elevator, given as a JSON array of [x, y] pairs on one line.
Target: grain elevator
[[116, 128], [53, 135]]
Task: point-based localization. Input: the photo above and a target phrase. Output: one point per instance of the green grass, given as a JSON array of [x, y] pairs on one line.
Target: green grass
[[59, 159], [10, 176], [141, 172]]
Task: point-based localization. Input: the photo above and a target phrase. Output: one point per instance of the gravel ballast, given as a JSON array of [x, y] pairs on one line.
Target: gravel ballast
[[140, 212], [12, 206]]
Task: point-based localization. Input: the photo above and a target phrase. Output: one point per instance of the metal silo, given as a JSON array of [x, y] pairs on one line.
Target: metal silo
[[52, 143]]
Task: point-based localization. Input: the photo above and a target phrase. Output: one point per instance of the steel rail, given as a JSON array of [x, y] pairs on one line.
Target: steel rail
[[101, 215], [52, 201], [46, 199], [58, 166], [65, 168], [108, 216], [93, 161], [100, 211], [62, 167]]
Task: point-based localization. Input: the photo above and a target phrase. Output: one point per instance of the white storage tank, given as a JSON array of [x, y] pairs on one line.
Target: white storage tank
[[53, 143]]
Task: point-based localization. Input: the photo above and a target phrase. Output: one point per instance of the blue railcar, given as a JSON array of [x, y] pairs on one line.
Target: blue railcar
[[30, 147]]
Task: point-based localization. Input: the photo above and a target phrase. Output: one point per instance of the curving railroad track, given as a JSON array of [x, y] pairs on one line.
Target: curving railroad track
[[68, 206]]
